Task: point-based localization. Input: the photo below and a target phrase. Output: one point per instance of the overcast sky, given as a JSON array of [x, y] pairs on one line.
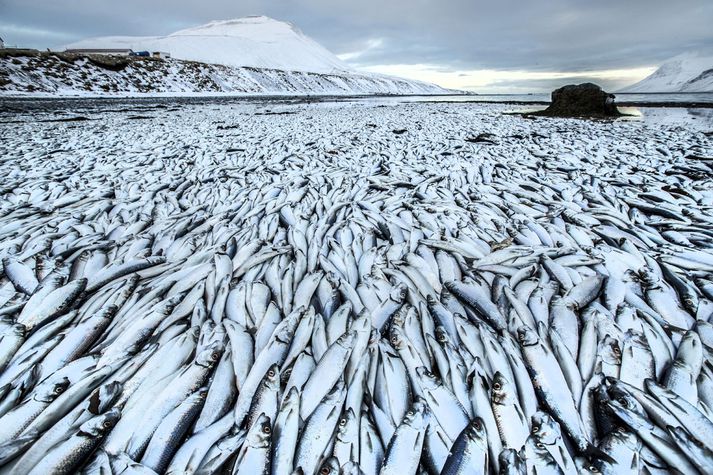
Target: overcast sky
[[486, 46]]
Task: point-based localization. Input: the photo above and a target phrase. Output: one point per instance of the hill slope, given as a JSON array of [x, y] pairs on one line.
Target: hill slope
[[688, 72], [71, 75]]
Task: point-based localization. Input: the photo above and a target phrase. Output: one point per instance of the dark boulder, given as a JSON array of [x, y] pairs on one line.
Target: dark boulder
[[581, 100]]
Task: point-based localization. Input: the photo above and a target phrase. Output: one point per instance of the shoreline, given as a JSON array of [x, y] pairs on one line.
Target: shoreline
[[465, 99]]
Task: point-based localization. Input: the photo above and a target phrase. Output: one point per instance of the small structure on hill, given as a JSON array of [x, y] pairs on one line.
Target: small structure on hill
[[581, 100], [102, 51], [161, 55]]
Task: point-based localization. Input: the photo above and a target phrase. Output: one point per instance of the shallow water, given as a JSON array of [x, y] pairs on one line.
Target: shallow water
[[20, 109], [705, 97]]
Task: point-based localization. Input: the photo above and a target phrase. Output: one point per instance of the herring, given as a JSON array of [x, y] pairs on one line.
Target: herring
[[329, 297]]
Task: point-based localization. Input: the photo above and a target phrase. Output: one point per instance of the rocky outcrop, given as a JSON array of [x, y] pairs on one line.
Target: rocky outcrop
[[581, 100]]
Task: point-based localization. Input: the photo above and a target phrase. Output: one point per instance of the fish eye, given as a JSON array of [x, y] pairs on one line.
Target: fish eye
[[266, 429], [342, 421], [617, 351], [410, 413], [540, 445], [623, 402], [477, 425], [394, 339], [594, 469], [324, 471], [521, 337], [214, 356], [58, 390], [271, 373], [535, 429], [496, 386], [107, 424]]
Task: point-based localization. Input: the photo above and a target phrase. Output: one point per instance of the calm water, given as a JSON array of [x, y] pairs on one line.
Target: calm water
[[21, 109], [704, 97]]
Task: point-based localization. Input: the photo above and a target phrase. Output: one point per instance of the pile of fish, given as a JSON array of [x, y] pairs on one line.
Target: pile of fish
[[330, 296]]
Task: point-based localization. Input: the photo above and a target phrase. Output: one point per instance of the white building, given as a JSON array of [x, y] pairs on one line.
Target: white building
[[161, 54], [109, 51]]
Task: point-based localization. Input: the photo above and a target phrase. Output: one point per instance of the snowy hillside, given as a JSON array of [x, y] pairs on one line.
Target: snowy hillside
[[252, 55], [258, 42], [61, 74], [689, 72]]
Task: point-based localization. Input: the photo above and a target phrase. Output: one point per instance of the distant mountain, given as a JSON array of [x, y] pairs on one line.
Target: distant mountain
[[257, 42], [688, 72]]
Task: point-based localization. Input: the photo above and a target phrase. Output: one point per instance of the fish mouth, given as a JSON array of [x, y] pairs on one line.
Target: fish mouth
[[526, 336]]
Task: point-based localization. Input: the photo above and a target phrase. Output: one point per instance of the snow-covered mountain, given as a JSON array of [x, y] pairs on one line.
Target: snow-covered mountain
[[258, 42], [688, 72], [252, 55]]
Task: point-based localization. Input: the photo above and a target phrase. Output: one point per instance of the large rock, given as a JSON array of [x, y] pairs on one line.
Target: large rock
[[581, 100]]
